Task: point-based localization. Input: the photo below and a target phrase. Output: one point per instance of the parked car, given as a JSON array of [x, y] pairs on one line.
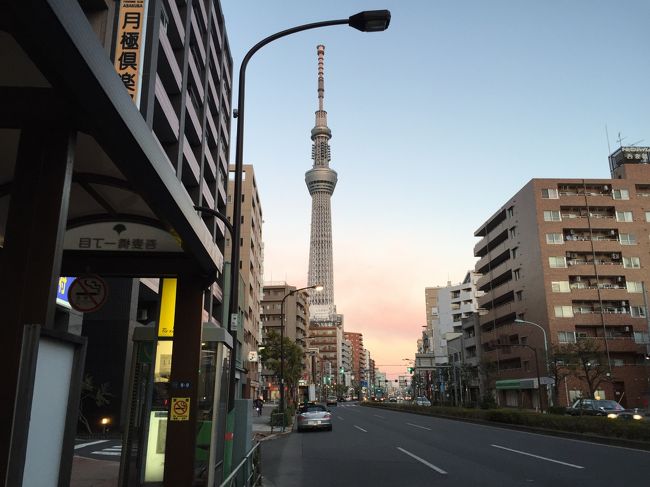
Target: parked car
[[331, 401], [422, 401], [314, 416], [594, 407], [625, 415]]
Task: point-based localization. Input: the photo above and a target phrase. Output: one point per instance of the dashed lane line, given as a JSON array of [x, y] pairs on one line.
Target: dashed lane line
[[418, 426], [537, 456], [360, 428], [423, 461]]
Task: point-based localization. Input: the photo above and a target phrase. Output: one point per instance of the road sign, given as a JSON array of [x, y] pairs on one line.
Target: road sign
[[180, 410], [87, 293]]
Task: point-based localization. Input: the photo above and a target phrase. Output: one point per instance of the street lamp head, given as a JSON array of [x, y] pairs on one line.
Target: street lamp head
[[519, 321], [370, 20], [319, 287]]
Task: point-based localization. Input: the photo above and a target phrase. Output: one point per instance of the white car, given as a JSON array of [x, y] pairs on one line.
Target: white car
[[422, 401]]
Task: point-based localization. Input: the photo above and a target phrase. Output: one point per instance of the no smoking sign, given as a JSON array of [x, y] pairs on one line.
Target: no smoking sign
[[180, 410], [87, 293]]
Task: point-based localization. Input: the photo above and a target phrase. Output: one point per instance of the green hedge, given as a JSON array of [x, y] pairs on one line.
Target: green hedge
[[276, 417], [589, 425]]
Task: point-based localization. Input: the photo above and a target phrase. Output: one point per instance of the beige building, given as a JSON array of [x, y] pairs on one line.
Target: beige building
[[572, 256], [296, 319], [251, 271]]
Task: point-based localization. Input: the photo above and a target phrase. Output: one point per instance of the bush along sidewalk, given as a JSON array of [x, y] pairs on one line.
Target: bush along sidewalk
[[585, 425], [276, 416]]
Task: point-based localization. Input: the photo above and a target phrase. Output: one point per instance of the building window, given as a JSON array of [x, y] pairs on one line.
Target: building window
[[513, 232], [623, 216], [552, 216], [549, 193], [554, 239], [519, 295], [634, 287], [627, 239], [631, 263], [620, 194], [563, 311], [641, 337], [557, 262], [566, 337], [647, 216], [516, 274], [514, 252], [560, 286], [511, 212], [637, 311]]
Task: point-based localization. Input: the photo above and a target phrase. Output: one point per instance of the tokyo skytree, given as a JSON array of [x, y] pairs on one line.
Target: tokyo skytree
[[321, 181]]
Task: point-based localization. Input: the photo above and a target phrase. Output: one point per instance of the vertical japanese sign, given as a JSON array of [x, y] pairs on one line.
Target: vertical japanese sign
[[130, 42]]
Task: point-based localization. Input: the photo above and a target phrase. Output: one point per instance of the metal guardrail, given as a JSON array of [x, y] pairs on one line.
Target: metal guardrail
[[249, 471]]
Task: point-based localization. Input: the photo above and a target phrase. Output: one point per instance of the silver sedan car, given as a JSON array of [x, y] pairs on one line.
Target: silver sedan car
[[314, 416]]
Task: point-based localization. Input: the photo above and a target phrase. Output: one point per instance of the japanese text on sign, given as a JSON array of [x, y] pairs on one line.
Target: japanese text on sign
[[129, 46]]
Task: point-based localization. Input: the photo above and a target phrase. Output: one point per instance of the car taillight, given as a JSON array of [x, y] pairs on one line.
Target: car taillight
[[328, 416]]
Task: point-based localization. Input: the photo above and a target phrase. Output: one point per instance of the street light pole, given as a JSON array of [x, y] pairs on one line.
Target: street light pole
[[367, 21], [548, 372], [317, 287]]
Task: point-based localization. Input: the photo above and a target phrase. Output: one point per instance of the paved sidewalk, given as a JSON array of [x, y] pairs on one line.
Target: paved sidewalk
[[262, 429], [87, 472]]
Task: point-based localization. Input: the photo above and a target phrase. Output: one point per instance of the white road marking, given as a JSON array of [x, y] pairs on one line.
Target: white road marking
[[83, 445], [417, 426], [107, 453], [360, 428], [430, 465], [537, 456], [340, 418], [377, 416]]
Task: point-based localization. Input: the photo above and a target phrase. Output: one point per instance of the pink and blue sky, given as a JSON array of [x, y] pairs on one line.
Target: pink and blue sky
[[436, 123]]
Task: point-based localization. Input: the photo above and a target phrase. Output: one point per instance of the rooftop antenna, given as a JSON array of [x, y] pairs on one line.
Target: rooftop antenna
[[620, 140]]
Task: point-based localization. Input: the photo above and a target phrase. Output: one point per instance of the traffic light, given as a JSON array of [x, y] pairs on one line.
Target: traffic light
[[410, 370], [341, 370]]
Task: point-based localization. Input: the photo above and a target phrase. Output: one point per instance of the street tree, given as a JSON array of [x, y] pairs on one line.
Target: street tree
[[562, 364], [293, 354], [591, 367]]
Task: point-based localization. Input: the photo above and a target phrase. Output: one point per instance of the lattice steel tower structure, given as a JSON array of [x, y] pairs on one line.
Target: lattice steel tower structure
[[321, 181]]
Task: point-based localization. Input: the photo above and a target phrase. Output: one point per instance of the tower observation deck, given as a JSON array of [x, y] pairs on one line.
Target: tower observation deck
[[321, 181]]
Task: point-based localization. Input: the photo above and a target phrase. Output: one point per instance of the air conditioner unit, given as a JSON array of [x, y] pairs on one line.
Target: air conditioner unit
[[606, 188], [623, 303], [612, 232], [627, 328]]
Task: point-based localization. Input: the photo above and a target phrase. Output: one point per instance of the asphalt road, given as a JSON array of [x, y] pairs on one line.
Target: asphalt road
[[376, 447], [98, 449]]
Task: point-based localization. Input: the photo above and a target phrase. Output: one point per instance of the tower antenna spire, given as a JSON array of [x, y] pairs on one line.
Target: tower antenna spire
[[321, 75]]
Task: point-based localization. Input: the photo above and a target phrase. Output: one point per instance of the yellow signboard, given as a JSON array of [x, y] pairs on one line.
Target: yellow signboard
[[167, 309], [129, 45], [180, 410]]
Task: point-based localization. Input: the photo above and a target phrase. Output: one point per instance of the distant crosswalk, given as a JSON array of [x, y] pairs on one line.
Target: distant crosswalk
[[100, 449]]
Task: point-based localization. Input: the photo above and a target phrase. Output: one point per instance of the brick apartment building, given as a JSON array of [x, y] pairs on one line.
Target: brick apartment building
[[572, 256]]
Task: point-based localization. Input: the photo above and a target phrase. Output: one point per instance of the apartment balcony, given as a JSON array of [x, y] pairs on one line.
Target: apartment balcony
[[481, 248], [496, 293], [616, 344], [499, 311], [581, 190]]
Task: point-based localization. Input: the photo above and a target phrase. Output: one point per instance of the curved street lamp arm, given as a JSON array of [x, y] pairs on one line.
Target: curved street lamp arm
[[216, 214]]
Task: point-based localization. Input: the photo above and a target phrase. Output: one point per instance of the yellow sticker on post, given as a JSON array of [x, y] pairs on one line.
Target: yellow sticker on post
[[180, 410]]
